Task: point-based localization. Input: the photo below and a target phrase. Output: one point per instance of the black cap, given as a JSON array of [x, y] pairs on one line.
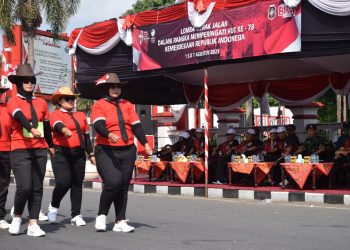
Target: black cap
[[311, 126]]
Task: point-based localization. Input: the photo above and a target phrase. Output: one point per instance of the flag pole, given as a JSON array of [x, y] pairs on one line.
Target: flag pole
[[206, 130]]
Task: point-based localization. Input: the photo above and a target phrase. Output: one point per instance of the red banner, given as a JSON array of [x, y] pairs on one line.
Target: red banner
[[268, 27]]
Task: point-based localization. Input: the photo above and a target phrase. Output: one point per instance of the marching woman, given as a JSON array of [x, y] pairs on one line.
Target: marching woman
[[30, 138], [116, 123], [5, 167], [71, 140]]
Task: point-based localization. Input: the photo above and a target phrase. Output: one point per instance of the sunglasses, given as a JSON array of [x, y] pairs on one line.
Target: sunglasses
[[68, 98], [229, 134], [29, 80]]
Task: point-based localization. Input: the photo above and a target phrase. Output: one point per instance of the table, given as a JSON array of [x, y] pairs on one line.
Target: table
[[260, 170], [182, 169], [301, 171], [155, 169]]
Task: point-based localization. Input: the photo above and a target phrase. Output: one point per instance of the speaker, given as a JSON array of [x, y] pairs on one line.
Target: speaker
[[149, 126]]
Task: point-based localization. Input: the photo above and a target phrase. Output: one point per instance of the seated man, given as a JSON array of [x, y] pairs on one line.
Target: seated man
[[313, 144], [291, 133], [221, 156], [342, 147]]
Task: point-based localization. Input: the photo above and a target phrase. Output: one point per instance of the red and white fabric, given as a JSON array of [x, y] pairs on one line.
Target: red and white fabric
[[102, 80], [292, 3], [95, 39], [6, 68], [125, 35], [333, 7], [199, 12]]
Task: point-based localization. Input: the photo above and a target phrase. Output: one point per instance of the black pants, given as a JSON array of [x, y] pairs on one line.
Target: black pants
[[29, 168], [68, 166], [115, 166], [5, 170], [218, 168]]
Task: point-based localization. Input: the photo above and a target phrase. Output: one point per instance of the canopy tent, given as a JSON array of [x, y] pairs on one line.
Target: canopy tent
[[322, 63]]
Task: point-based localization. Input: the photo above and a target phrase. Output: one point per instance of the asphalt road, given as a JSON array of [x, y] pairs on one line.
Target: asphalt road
[[174, 222]]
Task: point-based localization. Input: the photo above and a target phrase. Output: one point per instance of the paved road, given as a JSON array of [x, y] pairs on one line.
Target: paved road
[[175, 222]]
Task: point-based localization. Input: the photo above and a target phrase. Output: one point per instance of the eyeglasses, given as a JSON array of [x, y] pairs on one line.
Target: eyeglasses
[[68, 98]]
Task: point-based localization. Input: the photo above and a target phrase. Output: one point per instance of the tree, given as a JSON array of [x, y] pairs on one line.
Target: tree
[[29, 13], [329, 112], [142, 5]]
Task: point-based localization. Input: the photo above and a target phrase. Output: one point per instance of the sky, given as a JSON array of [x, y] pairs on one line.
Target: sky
[[91, 11]]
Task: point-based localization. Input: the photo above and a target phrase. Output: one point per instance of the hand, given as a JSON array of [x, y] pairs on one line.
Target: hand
[[92, 160], [148, 149], [52, 152], [67, 132], [113, 137], [35, 132]]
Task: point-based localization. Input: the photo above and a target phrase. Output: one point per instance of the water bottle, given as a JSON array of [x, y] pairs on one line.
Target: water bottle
[[313, 158], [233, 157], [317, 160], [287, 158], [154, 158]]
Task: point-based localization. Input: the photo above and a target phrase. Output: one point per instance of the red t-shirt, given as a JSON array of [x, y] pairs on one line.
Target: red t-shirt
[[107, 111], [64, 117], [5, 123], [18, 141]]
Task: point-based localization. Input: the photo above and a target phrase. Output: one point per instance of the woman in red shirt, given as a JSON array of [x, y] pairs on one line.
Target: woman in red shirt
[[71, 139], [30, 138], [5, 167], [116, 123]]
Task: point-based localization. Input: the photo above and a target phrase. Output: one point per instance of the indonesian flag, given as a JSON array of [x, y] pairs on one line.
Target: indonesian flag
[[102, 80], [5, 69]]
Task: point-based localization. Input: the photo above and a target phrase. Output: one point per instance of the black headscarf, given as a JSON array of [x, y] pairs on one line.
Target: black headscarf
[[22, 92]]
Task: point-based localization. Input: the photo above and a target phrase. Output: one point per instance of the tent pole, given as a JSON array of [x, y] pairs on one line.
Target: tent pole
[[261, 121], [341, 108], [206, 133]]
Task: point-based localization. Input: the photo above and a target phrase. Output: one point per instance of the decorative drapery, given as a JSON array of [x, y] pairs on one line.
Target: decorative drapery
[[333, 7]]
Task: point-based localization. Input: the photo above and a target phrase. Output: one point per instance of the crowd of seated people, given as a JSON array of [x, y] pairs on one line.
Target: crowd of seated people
[[280, 142]]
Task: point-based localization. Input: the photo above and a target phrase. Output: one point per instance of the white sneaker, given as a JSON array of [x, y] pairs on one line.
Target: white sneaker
[[35, 231], [78, 221], [4, 224], [122, 226], [100, 223], [42, 216], [52, 213], [15, 225]]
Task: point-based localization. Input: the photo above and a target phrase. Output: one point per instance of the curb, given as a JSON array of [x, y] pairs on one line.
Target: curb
[[287, 196]]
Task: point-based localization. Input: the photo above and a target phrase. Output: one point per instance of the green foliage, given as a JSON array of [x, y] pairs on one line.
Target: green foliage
[[84, 105], [272, 102], [329, 112], [142, 5], [30, 12]]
